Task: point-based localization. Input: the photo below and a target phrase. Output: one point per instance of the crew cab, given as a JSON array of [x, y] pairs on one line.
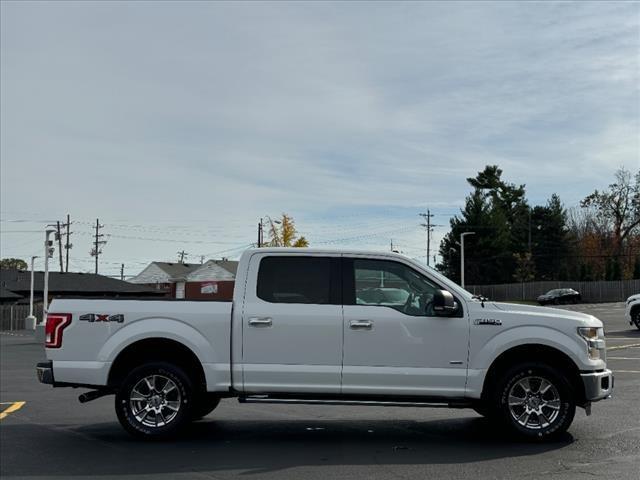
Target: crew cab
[[330, 327]]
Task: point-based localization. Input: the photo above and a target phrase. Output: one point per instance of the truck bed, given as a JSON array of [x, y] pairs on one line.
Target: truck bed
[[100, 328]]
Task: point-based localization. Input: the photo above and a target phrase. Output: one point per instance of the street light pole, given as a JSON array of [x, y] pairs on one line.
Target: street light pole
[[30, 321], [462, 235], [48, 250]]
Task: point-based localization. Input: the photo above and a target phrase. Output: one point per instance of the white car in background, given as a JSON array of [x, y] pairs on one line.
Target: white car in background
[[632, 311]]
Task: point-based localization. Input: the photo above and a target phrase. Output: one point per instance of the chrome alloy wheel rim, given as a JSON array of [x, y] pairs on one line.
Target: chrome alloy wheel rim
[[534, 402], [155, 401]]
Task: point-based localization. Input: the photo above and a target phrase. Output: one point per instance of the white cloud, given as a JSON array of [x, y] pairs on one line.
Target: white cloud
[[219, 113]]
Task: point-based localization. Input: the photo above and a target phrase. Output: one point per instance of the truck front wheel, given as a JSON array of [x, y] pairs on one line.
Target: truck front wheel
[[635, 316], [155, 400], [535, 401], [203, 405]]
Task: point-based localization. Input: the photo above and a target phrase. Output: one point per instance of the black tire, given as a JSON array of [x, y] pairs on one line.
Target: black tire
[[168, 404], [203, 405], [557, 404], [635, 316], [481, 410]]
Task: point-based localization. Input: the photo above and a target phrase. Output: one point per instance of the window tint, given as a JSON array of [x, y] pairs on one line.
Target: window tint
[[295, 280], [392, 284]]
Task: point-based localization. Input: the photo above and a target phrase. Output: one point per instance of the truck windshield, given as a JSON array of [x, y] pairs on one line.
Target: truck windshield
[[440, 278]]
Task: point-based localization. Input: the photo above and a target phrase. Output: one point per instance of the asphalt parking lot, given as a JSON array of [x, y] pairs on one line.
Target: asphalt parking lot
[[52, 435]]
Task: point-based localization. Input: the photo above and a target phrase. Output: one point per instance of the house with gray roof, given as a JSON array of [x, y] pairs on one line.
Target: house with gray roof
[[211, 280]]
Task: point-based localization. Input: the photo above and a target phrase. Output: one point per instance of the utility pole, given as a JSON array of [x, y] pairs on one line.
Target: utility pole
[[274, 240], [201, 259], [392, 244], [429, 226], [529, 229], [67, 245], [59, 238], [181, 255], [97, 244], [122, 271]]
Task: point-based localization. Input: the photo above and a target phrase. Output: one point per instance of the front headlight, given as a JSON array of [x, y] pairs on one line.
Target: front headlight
[[594, 337]]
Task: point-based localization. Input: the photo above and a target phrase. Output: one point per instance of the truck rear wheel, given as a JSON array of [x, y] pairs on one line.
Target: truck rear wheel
[[155, 400], [535, 401]]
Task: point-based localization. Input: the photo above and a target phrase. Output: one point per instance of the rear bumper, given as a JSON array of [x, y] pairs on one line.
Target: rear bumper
[[44, 370], [597, 385]]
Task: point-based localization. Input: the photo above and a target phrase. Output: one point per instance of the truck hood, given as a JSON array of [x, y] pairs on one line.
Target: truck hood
[[546, 314], [633, 298]]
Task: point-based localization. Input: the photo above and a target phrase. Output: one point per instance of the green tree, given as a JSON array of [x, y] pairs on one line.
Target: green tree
[[498, 213], [525, 268], [283, 233], [13, 263], [486, 252], [509, 198], [550, 239]]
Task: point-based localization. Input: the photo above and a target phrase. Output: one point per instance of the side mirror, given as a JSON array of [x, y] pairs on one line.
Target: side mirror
[[443, 304]]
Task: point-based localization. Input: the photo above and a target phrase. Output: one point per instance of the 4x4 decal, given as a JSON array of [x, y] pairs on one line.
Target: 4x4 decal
[[97, 317]]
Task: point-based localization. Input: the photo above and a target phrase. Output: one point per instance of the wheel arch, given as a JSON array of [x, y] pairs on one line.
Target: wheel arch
[[534, 353], [156, 349]]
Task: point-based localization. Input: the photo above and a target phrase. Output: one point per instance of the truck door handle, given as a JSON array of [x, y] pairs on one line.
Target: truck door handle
[[260, 321], [360, 325]]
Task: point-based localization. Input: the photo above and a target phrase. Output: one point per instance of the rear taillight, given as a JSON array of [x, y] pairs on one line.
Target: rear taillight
[[56, 323]]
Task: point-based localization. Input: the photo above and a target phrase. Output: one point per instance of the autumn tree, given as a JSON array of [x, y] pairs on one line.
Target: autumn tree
[[283, 233], [618, 207], [610, 223]]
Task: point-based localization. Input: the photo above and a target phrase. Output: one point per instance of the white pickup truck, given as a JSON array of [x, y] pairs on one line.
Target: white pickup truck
[[326, 327]]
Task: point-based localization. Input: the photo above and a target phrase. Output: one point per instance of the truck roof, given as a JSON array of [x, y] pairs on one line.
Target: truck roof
[[307, 250]]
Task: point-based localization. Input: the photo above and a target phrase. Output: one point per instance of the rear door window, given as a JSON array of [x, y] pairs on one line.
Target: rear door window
[[304, 280]]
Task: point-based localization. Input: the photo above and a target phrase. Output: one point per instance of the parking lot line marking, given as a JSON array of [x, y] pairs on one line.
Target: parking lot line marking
[[623, 358], [626, 371], [11, 408], [624, 346]]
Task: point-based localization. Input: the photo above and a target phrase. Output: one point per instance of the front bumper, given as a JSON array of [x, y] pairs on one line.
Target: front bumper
[[597, 385], [45, 372]]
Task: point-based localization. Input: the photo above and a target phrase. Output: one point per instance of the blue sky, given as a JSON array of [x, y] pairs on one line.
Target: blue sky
[[182, 123]]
